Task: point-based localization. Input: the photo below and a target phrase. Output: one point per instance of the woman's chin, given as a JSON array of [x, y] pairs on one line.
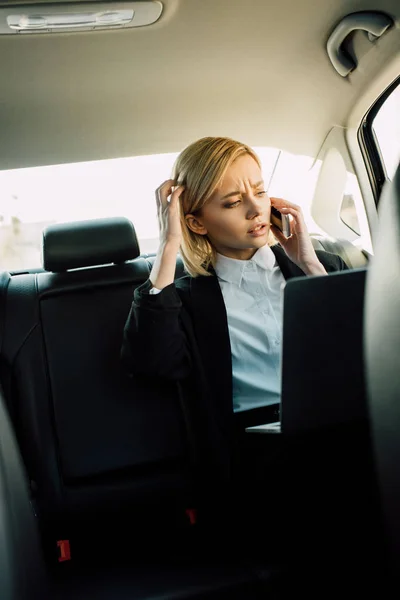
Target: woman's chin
[[260, 241]]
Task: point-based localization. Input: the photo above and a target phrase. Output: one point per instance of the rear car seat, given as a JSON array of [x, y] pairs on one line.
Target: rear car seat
[[88, 436], [22, 568], [106, 455], [24, 574]]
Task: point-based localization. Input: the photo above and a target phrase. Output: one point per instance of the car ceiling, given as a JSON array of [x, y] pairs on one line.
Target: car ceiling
[[254, 70]]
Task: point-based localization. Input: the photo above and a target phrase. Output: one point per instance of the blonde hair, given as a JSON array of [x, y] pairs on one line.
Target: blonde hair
[[200, 168]]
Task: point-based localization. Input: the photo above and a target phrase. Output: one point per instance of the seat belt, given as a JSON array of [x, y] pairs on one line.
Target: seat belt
[[5, 279]]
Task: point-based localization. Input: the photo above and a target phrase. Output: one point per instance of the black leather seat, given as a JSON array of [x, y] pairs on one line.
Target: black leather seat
[[88, 437], [22, 568], [25, 576], [382, 344], [107, 455]]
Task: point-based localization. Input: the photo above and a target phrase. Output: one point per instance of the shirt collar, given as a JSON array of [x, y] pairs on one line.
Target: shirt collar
[[232, 269]]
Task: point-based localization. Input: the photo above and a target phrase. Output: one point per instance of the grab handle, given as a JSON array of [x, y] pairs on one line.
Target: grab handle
[[374, 23]]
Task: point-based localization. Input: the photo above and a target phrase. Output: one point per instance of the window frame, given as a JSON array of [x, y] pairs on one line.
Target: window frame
[[357, 233], [369, 144]]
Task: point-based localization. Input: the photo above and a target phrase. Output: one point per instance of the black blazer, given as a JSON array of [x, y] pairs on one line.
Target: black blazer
[[181, 334]]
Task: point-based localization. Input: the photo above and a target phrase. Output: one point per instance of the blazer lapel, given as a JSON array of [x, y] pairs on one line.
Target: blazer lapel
[[288, 268], [212, 335]]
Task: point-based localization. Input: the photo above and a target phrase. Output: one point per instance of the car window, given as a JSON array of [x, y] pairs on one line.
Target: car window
[[386, 128], [33, 198]]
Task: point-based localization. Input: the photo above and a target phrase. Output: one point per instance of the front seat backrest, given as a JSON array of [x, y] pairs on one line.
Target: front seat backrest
[[382, 340], [352, 256]]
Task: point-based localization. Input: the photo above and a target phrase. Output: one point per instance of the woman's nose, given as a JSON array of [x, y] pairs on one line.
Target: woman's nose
[[256, 205]]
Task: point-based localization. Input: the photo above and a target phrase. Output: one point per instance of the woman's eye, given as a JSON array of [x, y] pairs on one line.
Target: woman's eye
[[232, 204], [261, 193]]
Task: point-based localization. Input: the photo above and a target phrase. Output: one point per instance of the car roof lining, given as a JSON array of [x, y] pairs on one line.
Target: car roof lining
[[255, 71]]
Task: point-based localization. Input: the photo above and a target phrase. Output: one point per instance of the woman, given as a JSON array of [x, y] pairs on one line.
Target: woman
[[217, 330]]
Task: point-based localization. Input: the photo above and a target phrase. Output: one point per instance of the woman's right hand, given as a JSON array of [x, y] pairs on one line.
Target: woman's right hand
[[168, 213]]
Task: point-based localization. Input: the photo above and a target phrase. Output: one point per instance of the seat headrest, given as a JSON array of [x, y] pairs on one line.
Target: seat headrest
[[89, 243]]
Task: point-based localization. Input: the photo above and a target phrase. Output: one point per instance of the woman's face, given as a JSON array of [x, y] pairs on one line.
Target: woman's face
[[236, 219]]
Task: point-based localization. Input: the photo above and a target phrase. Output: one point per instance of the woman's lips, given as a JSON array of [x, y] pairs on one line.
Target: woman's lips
[[258, 231]]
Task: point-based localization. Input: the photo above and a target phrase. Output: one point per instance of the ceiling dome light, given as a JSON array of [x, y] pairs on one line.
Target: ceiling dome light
[[78, 17]]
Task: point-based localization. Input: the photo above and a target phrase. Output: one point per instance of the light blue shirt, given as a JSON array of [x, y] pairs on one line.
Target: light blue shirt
[[252, 292]]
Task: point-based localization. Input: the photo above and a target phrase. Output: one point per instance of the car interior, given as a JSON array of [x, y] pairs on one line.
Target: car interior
[[98, 492]]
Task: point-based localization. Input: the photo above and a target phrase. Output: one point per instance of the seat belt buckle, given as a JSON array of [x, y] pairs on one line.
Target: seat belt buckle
[[191, 514], [65, 550]]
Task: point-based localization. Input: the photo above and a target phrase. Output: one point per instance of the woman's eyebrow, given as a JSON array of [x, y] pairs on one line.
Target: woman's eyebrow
[[256, 185], [253, 185], [231, 194]]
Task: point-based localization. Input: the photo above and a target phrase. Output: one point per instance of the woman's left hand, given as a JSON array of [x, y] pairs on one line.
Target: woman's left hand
[[298, 246]]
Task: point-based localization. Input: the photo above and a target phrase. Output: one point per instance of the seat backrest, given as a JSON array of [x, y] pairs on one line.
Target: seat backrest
[[352, 256], [93, 439], [382, 345], [22, 568], [323, 382]]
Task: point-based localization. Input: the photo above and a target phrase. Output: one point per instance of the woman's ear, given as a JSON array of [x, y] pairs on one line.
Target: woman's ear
[[195, 224]]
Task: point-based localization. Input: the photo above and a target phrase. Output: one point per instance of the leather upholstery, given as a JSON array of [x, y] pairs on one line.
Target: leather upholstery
[[22, 569], [87, 243], [97, 445], [88, 437], [25, 576], [382, 344], [106, 454]]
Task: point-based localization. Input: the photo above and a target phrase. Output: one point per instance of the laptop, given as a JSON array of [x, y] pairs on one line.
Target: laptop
[[322, 353]]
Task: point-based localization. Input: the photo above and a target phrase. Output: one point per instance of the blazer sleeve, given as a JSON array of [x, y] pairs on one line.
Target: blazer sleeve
[[154, 341], [331, 262]]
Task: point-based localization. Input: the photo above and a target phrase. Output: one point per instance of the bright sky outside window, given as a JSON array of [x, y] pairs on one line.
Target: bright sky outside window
[[31, 199]]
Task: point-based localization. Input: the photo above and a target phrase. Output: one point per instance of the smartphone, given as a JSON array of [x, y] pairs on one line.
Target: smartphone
[[280, 221]]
